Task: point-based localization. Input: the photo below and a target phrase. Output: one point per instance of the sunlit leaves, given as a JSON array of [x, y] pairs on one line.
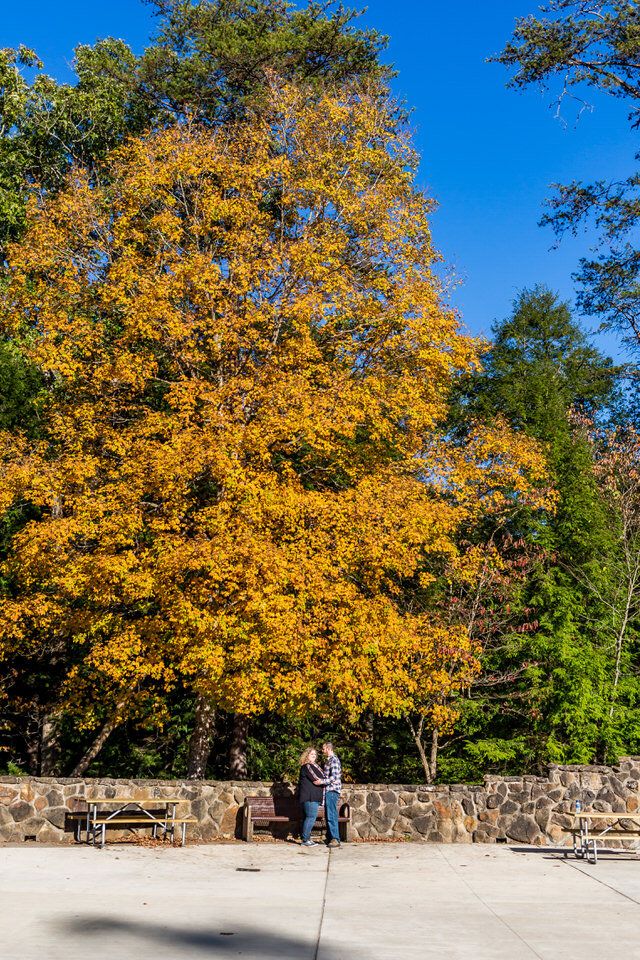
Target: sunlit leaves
[[245, 462]]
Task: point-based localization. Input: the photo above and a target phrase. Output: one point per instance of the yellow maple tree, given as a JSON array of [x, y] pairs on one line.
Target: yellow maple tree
[[244, 460]]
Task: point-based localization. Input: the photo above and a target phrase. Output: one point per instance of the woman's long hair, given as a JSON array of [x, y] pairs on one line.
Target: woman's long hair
[[304, 756]]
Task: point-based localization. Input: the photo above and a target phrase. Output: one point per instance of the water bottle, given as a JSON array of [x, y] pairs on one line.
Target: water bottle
[[578, 806]]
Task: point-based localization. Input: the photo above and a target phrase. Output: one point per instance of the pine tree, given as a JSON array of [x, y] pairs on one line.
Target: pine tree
[[552, 703]]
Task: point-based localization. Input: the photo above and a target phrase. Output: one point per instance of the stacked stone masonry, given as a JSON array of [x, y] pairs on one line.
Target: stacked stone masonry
[[531, 810]]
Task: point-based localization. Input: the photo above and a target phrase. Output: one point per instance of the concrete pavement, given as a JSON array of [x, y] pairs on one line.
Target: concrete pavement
[[268, 901]]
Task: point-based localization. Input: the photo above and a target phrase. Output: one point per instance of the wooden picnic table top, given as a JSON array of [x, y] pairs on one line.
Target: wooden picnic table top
[[125, 800], [597, 815], [147, 820]]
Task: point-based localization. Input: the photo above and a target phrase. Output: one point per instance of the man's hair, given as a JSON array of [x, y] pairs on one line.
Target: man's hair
[[328, 743]]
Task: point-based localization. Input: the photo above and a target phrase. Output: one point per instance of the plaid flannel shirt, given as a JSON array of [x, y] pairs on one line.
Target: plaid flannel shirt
[[333, 774]]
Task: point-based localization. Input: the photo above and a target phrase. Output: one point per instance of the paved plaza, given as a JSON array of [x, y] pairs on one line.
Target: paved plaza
[[277, 900]]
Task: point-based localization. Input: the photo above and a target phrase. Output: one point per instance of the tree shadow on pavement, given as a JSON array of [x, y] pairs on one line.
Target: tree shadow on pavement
[[245, 941]]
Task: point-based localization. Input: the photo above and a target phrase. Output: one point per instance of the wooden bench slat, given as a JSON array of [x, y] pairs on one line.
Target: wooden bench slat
[[603, 815], [294, 816], [146, 814], [609, 833]]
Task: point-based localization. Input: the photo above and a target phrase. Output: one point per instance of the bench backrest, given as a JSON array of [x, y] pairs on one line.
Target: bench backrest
[[274, 807]]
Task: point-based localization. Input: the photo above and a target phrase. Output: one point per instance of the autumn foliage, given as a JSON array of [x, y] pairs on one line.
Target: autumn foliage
[[242, 463]]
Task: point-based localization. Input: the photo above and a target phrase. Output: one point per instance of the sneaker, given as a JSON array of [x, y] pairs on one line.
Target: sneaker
[[334, 843], [309, 843]]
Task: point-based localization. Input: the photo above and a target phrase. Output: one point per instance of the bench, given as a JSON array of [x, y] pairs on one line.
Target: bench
[[284, 810]]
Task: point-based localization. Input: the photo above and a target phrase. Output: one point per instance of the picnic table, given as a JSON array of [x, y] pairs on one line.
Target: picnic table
[[130, 811], [594, 828]]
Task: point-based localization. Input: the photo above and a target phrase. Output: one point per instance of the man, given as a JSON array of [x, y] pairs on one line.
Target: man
[[332, 789]]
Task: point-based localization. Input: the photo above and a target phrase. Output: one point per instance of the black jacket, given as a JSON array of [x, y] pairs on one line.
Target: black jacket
[[307, 790]]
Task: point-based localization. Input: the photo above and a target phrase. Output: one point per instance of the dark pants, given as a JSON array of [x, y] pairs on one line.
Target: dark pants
[[331, 798], [310, 808]]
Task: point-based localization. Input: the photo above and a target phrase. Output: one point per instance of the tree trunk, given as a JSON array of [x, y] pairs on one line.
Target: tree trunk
[[49, 746], [105, 731], [435, 740], [200, 741], [32, 738], [238, 747], [429, 766], [371, 729]]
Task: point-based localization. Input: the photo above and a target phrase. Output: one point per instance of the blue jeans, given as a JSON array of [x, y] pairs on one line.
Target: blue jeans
[[310, 808], [331, 798]]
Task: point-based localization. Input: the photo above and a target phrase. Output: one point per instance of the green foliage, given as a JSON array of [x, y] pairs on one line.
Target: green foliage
[[208, 61], [379, 751], [584, 42], [22, 388], [589, 46], [543, 692], [12, 769], [46, 126], [152, 744], [209, 58], [540, 365]]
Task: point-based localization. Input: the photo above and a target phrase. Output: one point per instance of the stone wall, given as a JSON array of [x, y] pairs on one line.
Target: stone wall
[[502, 809]]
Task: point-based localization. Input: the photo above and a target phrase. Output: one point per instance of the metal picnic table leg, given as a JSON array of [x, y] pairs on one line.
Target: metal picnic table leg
[[577, 839], [584, 838], [93, 828], [184, 831]]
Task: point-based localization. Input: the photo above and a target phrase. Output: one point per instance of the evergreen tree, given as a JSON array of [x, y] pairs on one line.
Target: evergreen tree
[[539, 365], [552, 703], [208, 61]]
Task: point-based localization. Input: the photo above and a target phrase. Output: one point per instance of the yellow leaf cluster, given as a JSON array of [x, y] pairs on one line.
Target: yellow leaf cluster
[[244, 463]]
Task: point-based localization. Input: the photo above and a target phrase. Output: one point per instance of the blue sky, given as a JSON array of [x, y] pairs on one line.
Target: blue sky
[[488, 154]]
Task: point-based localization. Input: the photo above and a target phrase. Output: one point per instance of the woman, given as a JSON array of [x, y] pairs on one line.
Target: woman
[[309, 792]]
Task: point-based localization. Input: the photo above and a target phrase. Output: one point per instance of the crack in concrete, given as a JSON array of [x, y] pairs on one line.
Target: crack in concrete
[[488, 906], [324, 903], [591, 876]]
